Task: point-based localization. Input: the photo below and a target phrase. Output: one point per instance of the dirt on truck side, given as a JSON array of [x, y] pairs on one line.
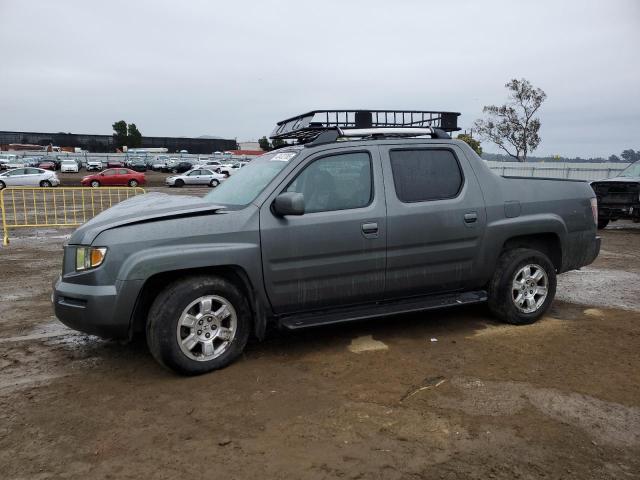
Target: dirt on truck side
[[445, 394]]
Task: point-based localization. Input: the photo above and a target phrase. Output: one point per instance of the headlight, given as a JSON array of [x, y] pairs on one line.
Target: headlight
[[89, 257]]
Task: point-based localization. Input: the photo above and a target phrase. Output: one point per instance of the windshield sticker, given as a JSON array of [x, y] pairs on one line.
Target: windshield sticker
[[283, 157]]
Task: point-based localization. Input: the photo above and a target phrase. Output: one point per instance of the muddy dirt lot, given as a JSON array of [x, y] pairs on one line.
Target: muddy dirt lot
[[449, 394]]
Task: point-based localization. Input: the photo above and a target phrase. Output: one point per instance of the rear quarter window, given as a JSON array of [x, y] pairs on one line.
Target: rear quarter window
[[420, 175]]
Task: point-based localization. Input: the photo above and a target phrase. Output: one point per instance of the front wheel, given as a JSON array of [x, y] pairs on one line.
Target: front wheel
[[133, 183], [2, 185], [95, 183], [214, 183], [198, 324], [523, 286]]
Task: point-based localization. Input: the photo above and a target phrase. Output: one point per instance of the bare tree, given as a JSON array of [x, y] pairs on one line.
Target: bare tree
[[512, 126]]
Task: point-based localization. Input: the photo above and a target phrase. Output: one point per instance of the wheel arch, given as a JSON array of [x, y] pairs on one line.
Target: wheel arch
[[232, 273], [548, 243]]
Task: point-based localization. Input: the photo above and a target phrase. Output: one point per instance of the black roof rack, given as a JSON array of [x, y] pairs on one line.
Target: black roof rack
[[307, 126]]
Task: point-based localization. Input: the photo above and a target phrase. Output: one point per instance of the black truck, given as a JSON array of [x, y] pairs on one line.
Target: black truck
[[619, 197]]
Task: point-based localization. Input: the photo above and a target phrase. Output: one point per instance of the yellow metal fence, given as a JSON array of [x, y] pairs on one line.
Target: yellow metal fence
[[27, 207]]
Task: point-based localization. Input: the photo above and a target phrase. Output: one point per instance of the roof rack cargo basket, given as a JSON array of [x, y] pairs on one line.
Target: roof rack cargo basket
[[307, 126]]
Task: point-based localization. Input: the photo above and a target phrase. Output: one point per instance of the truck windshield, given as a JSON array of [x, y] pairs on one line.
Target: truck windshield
[[244, 185], [632, 170]]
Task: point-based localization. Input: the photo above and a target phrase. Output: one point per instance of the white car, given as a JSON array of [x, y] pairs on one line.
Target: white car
[[196, 176], [94, 166], [28, 177], [15, 163], [229, 169], [69, 166]]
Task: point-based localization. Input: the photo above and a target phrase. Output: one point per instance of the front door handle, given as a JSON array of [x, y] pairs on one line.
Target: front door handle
[[370, 229], [470, 217]]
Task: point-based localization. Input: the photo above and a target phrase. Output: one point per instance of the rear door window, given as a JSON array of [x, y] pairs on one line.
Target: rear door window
[[420, 175]]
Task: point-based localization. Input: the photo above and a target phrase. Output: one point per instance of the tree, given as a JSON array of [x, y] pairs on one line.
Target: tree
[[614, 158], [264, 144], [472, 142], [120, 133], [512, 126], [630, 156], [134, 137], [278, 143]]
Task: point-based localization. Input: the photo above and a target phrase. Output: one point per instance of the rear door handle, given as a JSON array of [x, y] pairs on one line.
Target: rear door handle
[[370, 229], [470, 217]]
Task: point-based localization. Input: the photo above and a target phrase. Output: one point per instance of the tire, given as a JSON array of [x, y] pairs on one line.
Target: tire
[[179, 183], [226, 174], [45, 183], [602, 223], [504, 304], [2, 185], [166, 332], [214, 183], [133, 183], [95, 183]]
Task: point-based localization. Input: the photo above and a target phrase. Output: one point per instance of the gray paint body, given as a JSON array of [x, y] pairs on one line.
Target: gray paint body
[[324, 260]]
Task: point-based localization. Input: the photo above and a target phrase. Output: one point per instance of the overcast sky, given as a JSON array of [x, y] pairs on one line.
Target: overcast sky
[[233, 68]]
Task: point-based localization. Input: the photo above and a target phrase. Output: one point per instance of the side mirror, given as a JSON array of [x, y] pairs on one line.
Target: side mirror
[[289, 203]]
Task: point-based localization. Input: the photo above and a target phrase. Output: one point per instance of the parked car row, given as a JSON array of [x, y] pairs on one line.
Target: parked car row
[[110, 177]]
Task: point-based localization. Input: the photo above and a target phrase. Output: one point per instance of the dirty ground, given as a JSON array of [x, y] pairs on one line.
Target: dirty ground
[[447, 394]]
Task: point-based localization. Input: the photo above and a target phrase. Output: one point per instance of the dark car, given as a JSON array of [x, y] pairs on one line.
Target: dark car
[[47, 165], [138, 166], [619, 197], [179, 167], [357, 223], [114, 164]]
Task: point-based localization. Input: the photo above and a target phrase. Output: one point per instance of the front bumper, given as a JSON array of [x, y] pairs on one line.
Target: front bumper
[[102, 310], [619, 211]]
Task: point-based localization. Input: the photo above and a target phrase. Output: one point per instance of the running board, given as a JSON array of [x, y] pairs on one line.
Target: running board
[[381, 309]]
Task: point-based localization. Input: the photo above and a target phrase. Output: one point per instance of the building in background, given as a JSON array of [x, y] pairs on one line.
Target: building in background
[[105, 143], [249, 145]]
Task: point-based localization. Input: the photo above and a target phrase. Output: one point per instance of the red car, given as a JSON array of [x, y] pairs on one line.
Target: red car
[[47, 165], [114, 177]]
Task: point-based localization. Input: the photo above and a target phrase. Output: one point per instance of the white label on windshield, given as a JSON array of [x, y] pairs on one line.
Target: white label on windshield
[[283, 157]]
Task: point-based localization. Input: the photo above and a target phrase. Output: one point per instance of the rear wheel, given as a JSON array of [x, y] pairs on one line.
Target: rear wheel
[[95, 183], [133, 183], [523, 286], [45, 183], [2, 185], [198, 324], [602, 223], [214, 183]]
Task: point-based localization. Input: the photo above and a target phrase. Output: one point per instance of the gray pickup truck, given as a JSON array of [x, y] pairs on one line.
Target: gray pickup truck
[[360, 219]]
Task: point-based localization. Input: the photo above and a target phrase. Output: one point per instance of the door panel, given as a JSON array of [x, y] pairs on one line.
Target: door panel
[[432, 245], [325, 258]]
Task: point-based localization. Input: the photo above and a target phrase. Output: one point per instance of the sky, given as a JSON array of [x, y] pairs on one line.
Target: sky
[[234, 68]]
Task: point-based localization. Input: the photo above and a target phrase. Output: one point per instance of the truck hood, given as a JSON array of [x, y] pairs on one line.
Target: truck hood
[[142, 208]]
